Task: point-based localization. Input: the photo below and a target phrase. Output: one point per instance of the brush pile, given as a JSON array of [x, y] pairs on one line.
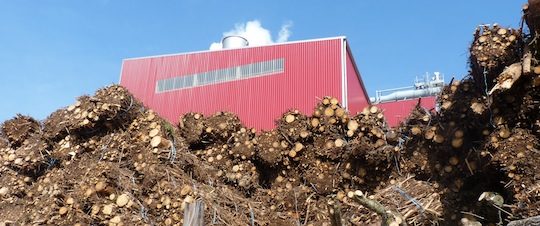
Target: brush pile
[[108, 160]]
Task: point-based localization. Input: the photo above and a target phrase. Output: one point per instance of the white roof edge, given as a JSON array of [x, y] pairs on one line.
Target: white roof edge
[[205, 51], [121, 70]]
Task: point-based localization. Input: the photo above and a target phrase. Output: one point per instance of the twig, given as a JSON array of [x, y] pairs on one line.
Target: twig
[[214, 215], [193, 214], [251, 216], [473, 214], [411, 199], [308, 200], [296, 207], [502, 210], [286, 138], [172, 153], [335, 213], [388, 217], [143, 211]]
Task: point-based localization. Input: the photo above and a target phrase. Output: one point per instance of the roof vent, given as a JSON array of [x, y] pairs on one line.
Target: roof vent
[[232, 42]]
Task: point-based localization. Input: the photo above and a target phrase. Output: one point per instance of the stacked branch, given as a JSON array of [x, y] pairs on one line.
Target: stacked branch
[[18, 129], [493, 48]]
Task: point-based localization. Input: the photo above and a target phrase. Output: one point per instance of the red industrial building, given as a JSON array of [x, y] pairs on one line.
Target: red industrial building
[[257, 83]]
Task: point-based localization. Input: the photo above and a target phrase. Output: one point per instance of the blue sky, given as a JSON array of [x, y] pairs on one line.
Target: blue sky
[[52, 51]]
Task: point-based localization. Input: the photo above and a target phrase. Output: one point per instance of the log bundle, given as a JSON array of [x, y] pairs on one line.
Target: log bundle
[[493, 48], [15, 131], [478, 139]]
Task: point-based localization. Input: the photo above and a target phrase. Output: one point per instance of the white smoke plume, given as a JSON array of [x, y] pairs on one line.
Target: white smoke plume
[[256, 34]]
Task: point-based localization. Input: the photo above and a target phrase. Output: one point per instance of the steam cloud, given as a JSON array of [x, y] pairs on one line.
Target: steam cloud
[[256, 34]]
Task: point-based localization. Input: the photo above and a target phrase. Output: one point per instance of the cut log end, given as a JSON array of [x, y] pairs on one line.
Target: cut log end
[[289, 118]]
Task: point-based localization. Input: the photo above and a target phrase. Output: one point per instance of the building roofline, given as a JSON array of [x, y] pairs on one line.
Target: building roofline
[[247, 47], [349, 53]]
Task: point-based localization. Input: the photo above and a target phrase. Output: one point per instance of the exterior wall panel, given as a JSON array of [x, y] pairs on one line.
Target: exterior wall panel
[[397, 111], [311, 70], [357, 97]]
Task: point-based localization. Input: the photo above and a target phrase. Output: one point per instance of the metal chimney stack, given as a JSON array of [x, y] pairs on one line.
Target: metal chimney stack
[[233, 42]]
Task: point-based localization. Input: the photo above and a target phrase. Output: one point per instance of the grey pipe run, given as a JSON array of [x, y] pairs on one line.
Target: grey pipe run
[[406, 94]]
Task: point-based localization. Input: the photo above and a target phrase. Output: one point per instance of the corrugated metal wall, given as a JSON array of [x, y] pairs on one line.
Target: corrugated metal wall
[[312, 70], [397, 111], [356, 94]]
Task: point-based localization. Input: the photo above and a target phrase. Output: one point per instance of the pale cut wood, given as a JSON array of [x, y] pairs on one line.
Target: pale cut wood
[[416, 131], [352, 125], [457, 142], [298, 146], [292, 153], [429, 134], [156, 141], [438, 139], [339, 143], [340, 112], [482, 39], [326, 101], [365, 111], [153, 132], [504, 133], [373, 109], [329, 112], [334, 101], [527, 58], [289, 118], [304, 134], [536, 70]]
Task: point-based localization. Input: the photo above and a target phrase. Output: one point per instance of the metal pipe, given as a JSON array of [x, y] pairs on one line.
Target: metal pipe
[[407, 94]]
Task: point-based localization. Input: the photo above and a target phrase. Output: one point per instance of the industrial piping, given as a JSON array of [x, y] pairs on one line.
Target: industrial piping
[[407, 94], [427, 87]]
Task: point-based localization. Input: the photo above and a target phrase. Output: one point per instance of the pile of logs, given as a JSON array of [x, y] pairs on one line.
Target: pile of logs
[[494, 48], [18, 129], [106, 159], [476, 144], [123, 164]]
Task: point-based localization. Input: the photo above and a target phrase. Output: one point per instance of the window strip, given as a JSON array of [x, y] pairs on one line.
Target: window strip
[[220, 76]]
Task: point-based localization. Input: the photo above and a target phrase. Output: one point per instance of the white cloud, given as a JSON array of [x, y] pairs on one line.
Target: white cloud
[[284, 32], [256, 34], [215, 46]]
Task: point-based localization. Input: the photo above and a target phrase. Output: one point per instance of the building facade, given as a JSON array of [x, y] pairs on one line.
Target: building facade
[[257, 83]]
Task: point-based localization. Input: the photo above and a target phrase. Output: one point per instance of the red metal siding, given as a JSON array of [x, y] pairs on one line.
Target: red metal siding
[[357, 98], [312, 70], [397, 111]]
